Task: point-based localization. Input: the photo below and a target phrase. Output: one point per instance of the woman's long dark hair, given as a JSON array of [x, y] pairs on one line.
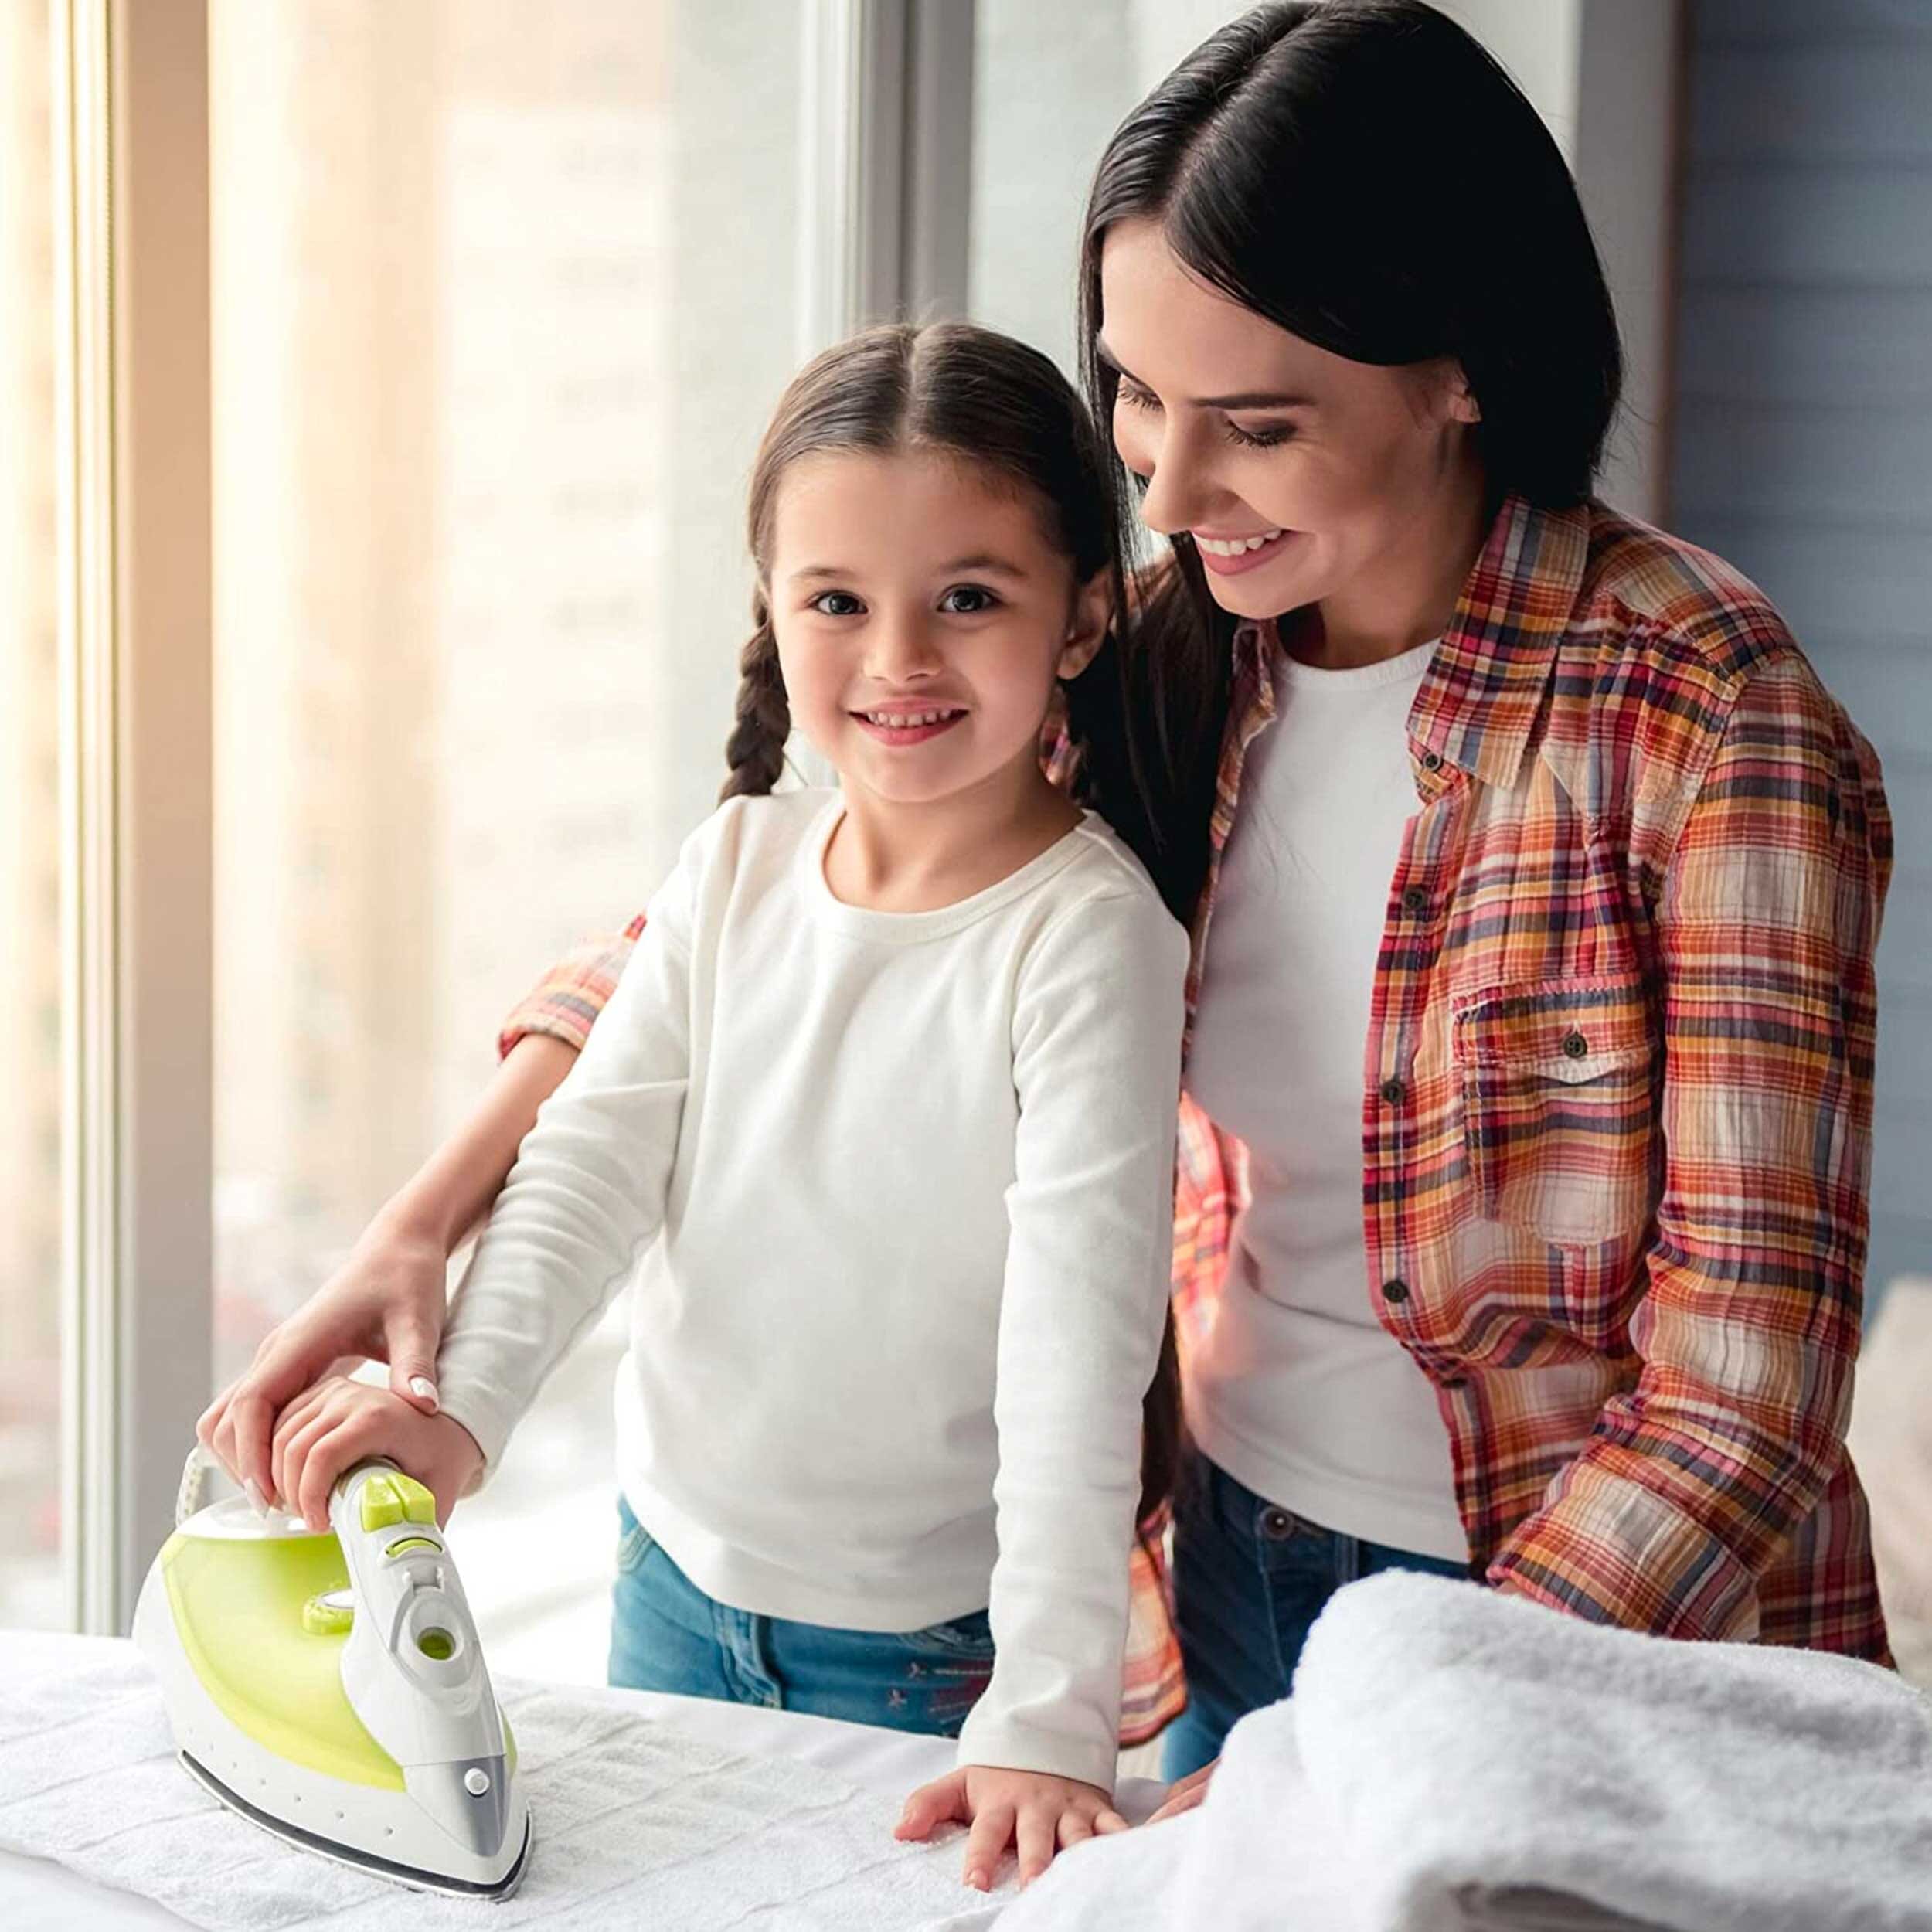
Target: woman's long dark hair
[[990, 402], [1363, 174]]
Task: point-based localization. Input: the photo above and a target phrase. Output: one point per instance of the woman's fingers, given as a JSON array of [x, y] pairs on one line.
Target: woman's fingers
[[938, 1803], [991, 1830], [210, 1419], [1107, 1821], [1184, 1794], [412, 1343]]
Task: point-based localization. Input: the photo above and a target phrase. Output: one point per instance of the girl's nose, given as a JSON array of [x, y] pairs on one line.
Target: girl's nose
[[901, 650]]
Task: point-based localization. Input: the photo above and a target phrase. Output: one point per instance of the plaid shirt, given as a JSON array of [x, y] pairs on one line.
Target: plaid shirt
[[1617, 1093]]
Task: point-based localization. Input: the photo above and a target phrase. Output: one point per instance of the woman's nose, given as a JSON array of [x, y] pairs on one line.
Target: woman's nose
[[1171, 501]]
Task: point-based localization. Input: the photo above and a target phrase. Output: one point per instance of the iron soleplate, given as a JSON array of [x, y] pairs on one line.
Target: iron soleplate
[[410, 1875]]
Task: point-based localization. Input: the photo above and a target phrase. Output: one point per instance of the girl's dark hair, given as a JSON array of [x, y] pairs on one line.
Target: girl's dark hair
[[1363, 174], [956, 390]]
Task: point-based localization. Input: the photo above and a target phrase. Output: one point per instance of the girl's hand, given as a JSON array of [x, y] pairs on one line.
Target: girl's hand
[[334, 1424], [1037, 1814], [386, 1303], [1185, 1792]]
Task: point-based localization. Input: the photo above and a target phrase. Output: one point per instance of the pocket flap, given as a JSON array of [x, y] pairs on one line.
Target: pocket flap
[[1573, 1031]]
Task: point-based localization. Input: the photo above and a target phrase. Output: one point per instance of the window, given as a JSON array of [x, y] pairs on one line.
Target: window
[[30, 1057], [31, 1376], [1050, 85], [501, 299]]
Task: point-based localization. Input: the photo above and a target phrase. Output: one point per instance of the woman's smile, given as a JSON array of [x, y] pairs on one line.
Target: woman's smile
[[1225, 556]]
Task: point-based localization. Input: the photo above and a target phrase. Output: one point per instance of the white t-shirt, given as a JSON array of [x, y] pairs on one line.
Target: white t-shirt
[[896, 1191], [1297, 1390]]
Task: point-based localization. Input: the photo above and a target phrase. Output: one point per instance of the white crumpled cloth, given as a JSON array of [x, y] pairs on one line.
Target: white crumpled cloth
[[636, 1823]]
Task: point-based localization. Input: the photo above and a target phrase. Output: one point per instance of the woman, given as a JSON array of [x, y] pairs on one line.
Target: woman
[[1534, 882]]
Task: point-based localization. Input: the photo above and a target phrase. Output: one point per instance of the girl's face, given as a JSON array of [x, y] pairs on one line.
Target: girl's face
[[1300, 475], [922, 617]]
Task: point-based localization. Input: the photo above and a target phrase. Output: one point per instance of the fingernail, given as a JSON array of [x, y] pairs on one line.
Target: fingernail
[[422, 1386], [252, 1491]]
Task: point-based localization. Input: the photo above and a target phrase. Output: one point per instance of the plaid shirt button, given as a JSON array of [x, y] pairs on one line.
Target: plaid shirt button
[[1393, 1091], [1575, 1045], [1395, 1291], [1415, 902]]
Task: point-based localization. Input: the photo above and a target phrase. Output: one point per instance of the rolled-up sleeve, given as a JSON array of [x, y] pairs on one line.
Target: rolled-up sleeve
[[1697, 1477], [566, 1001]]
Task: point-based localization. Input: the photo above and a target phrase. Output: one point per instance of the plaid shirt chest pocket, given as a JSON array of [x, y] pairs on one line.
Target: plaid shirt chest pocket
[[1557, 1087]]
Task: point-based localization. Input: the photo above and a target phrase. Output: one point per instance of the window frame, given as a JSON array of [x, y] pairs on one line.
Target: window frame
[[130, 189], [886, 112]]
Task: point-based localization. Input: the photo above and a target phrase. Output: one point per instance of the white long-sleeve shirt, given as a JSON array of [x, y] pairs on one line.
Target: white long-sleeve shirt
[[895, 1192], [1294, 1387]]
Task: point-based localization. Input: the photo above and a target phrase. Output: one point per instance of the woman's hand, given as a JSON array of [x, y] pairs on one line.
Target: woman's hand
[[1185, 1792], [334, 1425], [386, 1303], [1037, 1814]]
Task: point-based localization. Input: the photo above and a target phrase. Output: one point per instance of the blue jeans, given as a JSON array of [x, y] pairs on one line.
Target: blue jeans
[[1250, 1580], [666, 1634]]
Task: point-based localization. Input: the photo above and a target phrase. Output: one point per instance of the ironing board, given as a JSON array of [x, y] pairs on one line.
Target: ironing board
[[36, 1893]]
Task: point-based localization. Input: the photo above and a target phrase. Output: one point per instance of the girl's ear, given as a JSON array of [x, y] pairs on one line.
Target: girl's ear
[[1086, 627], [1463, 406]]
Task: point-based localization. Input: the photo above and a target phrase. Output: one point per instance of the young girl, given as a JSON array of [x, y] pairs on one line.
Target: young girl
[[880, 1120]]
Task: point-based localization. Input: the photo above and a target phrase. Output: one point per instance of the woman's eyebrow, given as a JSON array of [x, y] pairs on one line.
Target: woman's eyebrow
[[1248, 399]]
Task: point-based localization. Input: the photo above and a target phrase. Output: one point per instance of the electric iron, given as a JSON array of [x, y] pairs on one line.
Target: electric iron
[[329, 1685]]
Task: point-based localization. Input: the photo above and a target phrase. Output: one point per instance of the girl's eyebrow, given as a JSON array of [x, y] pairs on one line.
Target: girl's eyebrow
[[983, 561], [1248, 399]]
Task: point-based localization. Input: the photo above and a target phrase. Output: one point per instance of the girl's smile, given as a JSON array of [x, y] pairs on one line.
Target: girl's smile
[[895, 725]]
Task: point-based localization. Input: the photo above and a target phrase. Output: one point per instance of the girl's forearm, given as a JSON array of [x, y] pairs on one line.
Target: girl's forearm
[[453, 1190]]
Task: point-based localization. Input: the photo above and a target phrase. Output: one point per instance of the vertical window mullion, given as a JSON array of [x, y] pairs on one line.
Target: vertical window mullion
[[133, 533]]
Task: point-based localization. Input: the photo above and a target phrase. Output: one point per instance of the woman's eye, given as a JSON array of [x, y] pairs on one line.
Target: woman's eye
[[1272, 438], [836, 603], [1136, 399], [967, 600]]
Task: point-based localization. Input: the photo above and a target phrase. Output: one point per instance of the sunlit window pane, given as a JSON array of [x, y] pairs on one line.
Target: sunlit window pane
[[502, 296], [30, 1087], [1050, 84]]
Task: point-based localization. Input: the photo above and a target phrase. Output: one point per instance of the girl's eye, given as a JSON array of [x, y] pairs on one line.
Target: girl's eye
[[1272, 438], [836, 603], [1136, 399], [967, 600]]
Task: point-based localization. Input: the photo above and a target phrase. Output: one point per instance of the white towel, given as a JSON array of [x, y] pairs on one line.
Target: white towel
[[1484, 1761], [635, 1823], [1456, 1760]]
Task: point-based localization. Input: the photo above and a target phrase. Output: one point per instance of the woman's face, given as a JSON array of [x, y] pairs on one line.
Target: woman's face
[[1302, 476]]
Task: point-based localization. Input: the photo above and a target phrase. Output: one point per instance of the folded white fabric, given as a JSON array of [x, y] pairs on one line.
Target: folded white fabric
[[1483, 1761], [1256, 1857], [635, 1822]]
